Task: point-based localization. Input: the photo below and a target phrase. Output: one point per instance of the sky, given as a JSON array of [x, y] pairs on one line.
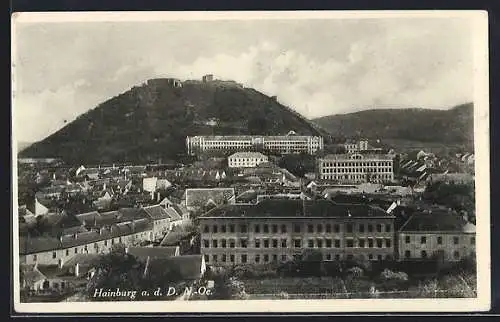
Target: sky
[[317, 67]]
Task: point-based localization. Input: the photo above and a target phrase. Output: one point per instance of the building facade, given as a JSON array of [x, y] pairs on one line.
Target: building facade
[[278, 230], [356, 168], [285, 144], [428, 236], [246, 159], [353, 147]]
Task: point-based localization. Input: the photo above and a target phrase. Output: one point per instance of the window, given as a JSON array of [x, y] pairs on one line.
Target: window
[[67, 252], [206, 229], [310, 243], [319, 228], [283, 228], [456, 254], [243, 243], [257, 243], [297, 243], [283, 243], [34, 258], [283, 258], [336, 228], [370, 257], [379, 228], [296, 228], [310, 228], [266, 228], [407, 254], [328, 257], [388, 242], [423, 240], [407, 239], [440, 240], [473, 240], [320, 243], [337, 243], [370, 228], [244, 258], [370, 243], [329, 243], [54, 254], [379, 243], [362, 243], [105, 243], [232, 243], [223, 243], [266, 258], [86, 249], [349, 228], [350, 257], [257, 258], [455, 240], [337, 257], [257, 228], [349, 243], [231, 228], [379, 257], [275, 258], [423, 254], [361, 228], [231, 258], [275, 229], [206, 243], [243, 228], [388, 228], [76, 250], [214, 243], [274, 243], [223, 228], [328, 228], [214, 229], [224, 258]]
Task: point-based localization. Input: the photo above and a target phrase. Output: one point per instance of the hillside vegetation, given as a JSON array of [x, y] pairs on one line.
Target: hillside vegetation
[[151, 121], [453, 126]]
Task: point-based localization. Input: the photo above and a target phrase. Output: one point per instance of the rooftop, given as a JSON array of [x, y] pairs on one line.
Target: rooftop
[[296, 208], [441, 221], [357, 156], [247, 155]]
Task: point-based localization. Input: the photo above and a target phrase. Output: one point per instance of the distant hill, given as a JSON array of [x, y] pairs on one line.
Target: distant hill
[[453, 126], [151, 121]]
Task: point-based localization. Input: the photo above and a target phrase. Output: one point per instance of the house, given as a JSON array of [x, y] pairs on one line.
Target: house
[[160, 218], [43, 278], [190, 267], [143, 253], [198, 198], [436, 234], [82, 265], [246, 159]]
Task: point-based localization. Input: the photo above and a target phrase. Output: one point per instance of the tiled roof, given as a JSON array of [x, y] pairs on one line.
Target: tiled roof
[[188, 265], [296, 208], [441, 221], [156, 212], [142, 253], [199, 197], [172, 214], [31, 274], [30, 245], [247, 155], [82, 260]]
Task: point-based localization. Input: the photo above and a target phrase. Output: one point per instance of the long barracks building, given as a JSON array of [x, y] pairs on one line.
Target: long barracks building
[[285, 144], [276, 230]]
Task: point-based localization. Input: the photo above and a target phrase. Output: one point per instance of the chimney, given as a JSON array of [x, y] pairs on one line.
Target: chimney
[[77, 270], [104, 186], [158, 197], [152, 195], [126, 250], [61, 263], [75, 235]]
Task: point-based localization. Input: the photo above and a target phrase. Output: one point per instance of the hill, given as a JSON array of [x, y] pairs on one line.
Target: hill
[[453, 126], [151, 121]]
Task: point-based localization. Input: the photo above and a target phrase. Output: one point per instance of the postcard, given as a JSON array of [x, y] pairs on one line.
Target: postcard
[[238, 162]]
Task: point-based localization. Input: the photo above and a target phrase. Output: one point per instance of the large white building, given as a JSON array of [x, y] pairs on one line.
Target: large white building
[[356, 168], [285, 144], [246, 159]]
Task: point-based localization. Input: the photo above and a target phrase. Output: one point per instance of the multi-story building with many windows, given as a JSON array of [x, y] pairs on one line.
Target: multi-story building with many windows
[[246, 159], [356, 168], [285, 144], [277, 230], [432, 235]]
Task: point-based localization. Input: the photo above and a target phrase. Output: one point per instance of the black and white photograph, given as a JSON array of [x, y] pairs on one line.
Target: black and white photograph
[[282, 161]]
